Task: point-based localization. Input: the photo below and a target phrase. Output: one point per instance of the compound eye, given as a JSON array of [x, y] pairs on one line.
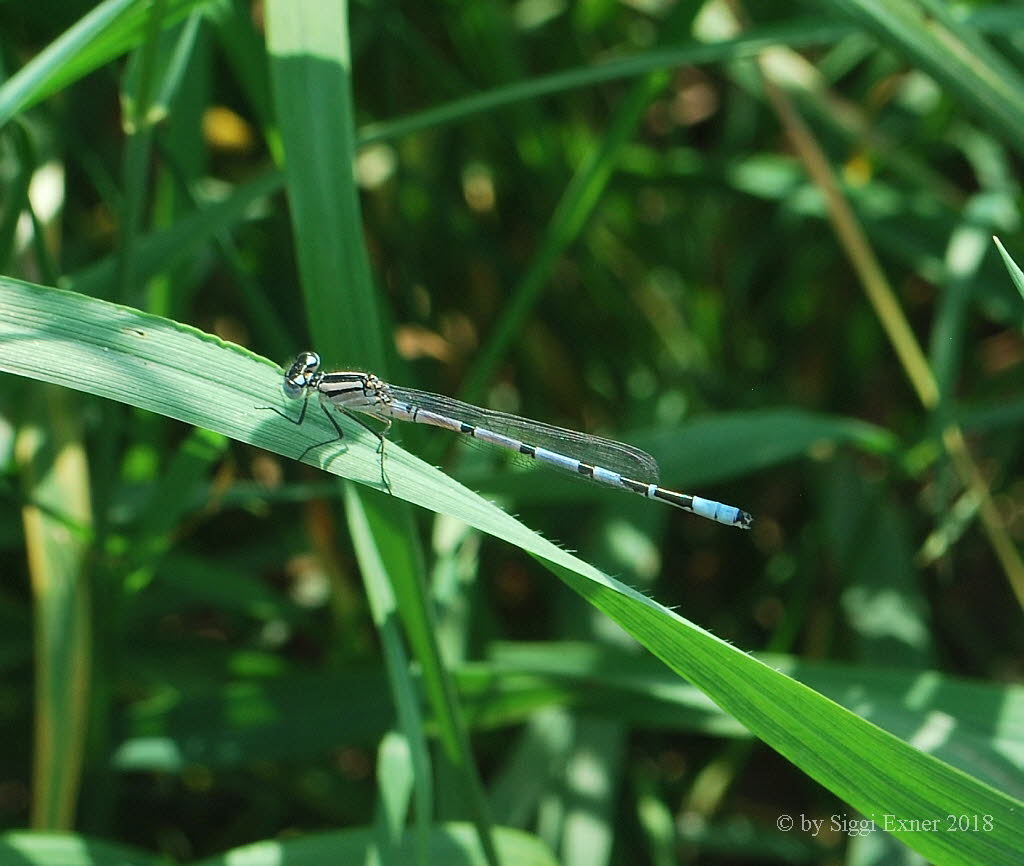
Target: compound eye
[[299, 373]]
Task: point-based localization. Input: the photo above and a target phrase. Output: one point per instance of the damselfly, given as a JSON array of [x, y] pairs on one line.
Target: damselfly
[[601, 460]]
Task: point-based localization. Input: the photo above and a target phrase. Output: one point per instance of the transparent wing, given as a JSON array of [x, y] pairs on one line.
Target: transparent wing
[[618, 457]]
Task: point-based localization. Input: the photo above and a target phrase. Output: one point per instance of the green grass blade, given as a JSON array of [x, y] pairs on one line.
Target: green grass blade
[[137, 119], [310, 73], [106, 32], [879, 775], [795, 34], [67, 849], [1011, 266], [534, 683], [311, 78], [57, 519], [928, 34], [384, 561], [449, 844], [180, 372], [399, 775]]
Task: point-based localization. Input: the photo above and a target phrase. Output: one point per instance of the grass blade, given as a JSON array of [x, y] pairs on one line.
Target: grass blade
[[180, 372]]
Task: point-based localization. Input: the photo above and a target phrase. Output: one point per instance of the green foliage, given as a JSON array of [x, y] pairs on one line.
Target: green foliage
[[606, 217]]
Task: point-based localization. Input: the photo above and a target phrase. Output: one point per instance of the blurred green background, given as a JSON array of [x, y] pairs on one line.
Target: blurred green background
[[754, 241]]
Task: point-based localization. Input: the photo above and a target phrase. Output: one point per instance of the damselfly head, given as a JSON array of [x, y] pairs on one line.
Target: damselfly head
[[301, 373]]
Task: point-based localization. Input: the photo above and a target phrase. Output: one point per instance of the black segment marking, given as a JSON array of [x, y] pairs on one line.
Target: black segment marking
[[467, 428], [528, 450], [585, 469], [635, 486], [680, 500]]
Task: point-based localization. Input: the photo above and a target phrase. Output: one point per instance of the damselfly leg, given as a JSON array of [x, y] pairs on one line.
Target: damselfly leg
[[380, 434]]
